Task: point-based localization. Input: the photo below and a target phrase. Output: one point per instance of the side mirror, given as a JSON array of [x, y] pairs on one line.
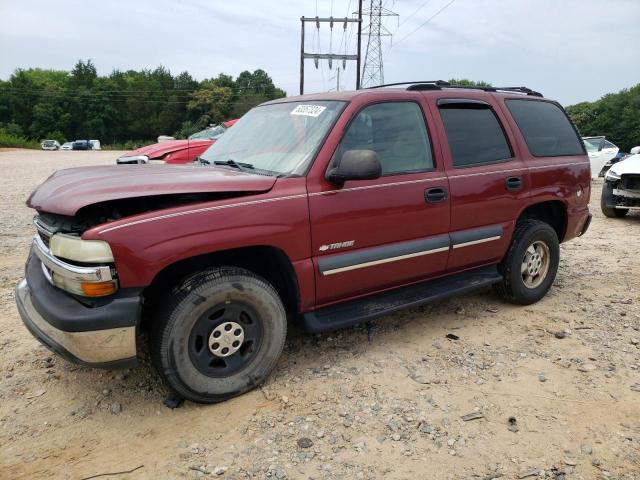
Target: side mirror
[[635, 150], [355, 165]]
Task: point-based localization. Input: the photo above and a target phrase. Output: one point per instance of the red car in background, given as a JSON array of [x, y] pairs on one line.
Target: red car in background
[[176, 151]]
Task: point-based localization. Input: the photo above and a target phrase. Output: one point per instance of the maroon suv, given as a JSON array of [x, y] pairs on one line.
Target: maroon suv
[[328, 210]]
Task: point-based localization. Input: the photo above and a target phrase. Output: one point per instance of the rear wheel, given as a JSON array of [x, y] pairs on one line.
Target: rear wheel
[[530, 266], [220, 335]]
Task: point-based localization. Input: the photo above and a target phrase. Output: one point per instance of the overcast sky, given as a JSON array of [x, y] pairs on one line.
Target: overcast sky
[[571, 50]]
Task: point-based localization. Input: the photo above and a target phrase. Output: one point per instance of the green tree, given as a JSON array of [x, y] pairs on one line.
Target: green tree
[[83, 74], [211, 104], [463, 82], [124, 105], [616, 116]]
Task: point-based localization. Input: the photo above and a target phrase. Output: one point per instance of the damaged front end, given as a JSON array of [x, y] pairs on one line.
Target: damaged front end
[[621, 192], [70, 300]]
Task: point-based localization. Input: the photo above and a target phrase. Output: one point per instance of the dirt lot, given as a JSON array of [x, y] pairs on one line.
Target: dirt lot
[[341, 405]]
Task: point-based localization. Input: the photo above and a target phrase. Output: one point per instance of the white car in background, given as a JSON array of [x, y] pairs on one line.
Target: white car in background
[[50, 145], [621, 189], [600, 151], [95, 144], [67, 146]]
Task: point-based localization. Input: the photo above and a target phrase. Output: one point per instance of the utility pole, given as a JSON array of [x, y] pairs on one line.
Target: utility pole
[[359, 44], [330, 57], [373, 71]]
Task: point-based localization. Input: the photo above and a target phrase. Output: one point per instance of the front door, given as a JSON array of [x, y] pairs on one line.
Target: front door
[[372, 235]]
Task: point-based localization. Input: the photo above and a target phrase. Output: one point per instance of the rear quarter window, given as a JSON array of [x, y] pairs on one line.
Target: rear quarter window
[[546, 128]]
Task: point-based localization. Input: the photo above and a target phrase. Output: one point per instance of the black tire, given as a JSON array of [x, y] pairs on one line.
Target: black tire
[[607, 199], [513, 287], [181, 337]]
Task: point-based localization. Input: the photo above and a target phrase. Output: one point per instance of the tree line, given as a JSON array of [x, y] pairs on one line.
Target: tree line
[[616, 116], [137, 106], [124, 105]]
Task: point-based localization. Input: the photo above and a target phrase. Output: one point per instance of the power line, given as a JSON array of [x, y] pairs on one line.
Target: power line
[[96, 96], [414, 12], [423, 23], [125, 93]]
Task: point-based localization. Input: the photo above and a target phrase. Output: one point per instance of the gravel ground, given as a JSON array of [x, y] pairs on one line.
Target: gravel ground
[[546, 391]]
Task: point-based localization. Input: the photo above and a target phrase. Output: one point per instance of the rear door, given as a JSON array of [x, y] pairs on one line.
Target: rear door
[[488, 181], [376, 234]]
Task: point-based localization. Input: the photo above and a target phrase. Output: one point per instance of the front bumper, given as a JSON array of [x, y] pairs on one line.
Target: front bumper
[[615, 195], [99, 335]]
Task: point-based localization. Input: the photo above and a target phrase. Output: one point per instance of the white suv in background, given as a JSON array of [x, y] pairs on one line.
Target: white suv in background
[[600, 151], [621, 189]]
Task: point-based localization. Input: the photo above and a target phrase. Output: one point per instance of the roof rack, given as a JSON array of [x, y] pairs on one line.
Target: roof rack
[[440, 84]]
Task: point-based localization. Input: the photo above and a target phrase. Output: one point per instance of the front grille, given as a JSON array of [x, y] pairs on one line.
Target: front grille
[[45, 238], [630, 182], [43, 230]]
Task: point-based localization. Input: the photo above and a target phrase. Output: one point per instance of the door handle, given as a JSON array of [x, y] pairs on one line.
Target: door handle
[[513, 183], [435, 195]]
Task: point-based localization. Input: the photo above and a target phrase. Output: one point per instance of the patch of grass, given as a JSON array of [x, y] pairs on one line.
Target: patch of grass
[[8, 140]]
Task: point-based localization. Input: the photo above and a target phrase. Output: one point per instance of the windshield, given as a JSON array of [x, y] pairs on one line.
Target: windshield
[[592, 144], [280, 138], [210, 133]]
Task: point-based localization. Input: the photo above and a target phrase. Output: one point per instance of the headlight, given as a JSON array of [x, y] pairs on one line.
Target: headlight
[[134, 159], [78, 250], [611, 176]]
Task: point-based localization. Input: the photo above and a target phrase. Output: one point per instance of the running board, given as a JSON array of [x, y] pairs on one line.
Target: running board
[[373, 306]]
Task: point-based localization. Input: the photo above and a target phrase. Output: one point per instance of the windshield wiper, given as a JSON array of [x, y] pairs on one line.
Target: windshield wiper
[[202, 161], [234, 164]]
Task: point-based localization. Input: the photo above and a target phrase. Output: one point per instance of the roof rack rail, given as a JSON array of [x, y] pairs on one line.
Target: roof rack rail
[[434, 83], [526, 90], [439, 84]]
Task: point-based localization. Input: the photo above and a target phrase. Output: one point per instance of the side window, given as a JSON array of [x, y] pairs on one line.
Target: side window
[[608, 144], [396, 132], [474, 134], [546, 128]]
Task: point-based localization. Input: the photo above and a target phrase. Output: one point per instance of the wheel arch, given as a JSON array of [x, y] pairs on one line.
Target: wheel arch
[[269, 262], [552, 212]]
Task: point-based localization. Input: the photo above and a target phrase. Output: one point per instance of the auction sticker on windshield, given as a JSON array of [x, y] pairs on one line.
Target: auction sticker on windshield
[[308, 110]]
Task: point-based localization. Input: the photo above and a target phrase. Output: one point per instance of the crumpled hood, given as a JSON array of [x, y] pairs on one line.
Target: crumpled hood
[[158, 150], [67, 191], [628, 165]]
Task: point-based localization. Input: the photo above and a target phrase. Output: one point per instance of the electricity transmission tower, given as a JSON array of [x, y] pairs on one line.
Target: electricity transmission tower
[[373, 71]]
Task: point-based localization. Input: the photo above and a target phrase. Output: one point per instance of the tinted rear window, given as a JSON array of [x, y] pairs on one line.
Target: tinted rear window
[[546, 128], [474, 135]]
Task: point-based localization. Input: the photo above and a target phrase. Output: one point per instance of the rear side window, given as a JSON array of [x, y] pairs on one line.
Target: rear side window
[[396, 132], [546, 128], [475, 137]]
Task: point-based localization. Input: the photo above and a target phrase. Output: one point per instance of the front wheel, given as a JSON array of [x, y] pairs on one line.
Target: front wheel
[[530, 266], [220, 335]]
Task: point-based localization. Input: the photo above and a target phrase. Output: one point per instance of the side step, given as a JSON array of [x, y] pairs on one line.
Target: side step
[[373, 306]]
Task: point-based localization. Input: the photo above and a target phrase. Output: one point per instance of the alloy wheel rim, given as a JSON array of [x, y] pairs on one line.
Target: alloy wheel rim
[[535, 264]]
